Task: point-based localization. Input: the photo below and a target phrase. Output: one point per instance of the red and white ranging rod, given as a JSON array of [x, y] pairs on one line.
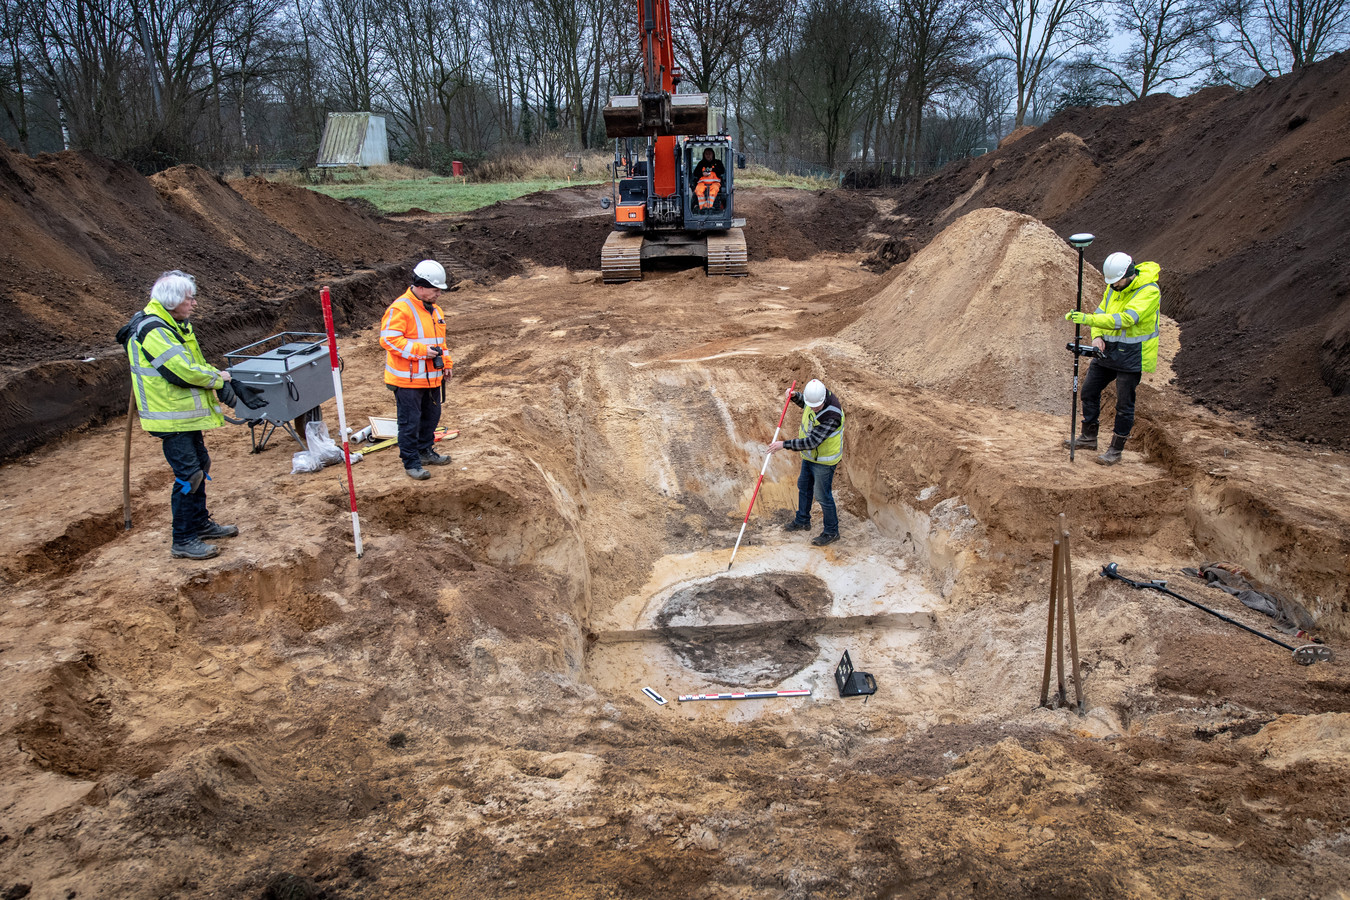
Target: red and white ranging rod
[[342, 413], [751, 695], [764, 468]]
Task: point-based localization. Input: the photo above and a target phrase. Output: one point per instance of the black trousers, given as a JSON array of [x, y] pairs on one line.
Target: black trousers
[[186, 453], [419, 412], [1098, 377]]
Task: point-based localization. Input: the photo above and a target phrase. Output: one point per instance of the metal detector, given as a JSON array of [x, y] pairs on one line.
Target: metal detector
[[1305, 655]]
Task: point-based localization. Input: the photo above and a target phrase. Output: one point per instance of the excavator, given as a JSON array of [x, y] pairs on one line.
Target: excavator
[[678, 201]]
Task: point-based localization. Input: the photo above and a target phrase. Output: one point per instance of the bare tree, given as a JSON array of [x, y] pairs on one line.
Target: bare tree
[[566, 38], [12, 65], [181, 35], [82, 56], [991, 94], [249, 51], [349, 32], [711, 35], [939, 39], [839, 46], [1278, 36], [1037, 34], [1170, 43]]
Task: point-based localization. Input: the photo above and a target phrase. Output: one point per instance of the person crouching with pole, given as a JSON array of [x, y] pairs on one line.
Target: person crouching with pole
[[1125, 331]]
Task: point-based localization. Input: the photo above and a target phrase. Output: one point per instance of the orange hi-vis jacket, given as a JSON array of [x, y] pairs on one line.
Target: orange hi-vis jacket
[[407, 333]]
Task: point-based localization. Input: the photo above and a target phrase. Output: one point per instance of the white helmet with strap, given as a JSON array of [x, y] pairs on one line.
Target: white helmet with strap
[[431, 272], [1116, 266], [814, 393]]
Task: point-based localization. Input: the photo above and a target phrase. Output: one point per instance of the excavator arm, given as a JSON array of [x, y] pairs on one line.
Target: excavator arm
[[657, 111]]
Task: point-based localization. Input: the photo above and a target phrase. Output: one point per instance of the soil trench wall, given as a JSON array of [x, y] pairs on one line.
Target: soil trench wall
[[42, 401]]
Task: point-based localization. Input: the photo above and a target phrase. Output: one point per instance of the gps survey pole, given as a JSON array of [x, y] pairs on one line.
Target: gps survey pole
[[1080, 242]]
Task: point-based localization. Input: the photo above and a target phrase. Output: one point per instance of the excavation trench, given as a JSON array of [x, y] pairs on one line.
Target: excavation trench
[[781, 620]]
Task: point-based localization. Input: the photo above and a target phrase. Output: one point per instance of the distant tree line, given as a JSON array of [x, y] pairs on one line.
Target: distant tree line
[[904, 83]]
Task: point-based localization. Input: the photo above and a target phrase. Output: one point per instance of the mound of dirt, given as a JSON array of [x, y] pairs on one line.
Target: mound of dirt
[[85, 237], [345, 230], [979, 312], [1240, 196]]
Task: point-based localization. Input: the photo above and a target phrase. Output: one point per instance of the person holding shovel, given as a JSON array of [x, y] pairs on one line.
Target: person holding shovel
[[820, 441]]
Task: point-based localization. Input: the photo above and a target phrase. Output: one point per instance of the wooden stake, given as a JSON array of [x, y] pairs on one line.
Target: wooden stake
[[1050, 626], [1067, 581]]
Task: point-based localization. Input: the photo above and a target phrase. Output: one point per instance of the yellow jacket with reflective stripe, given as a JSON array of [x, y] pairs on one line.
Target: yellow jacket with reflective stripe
[[829, 451], [1128, 321], [407, 334], [163, 405]]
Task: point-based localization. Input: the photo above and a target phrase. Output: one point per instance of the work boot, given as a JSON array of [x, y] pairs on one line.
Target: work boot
[[432, 458], [418, 473], [794, 525], [214, 531], [1087, 440], [194, 549], [1112, 454], [824, 538]]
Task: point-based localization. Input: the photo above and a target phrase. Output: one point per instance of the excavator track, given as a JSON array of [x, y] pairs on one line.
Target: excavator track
[[621, 258], [726, 253]]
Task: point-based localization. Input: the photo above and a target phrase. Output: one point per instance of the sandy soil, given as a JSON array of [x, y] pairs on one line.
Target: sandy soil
[[460, 711]]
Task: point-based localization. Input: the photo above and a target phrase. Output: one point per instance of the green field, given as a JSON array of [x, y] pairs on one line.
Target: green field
[[439, 195]]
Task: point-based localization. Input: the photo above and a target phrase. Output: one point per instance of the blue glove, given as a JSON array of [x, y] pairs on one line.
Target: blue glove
[[1076, 317]]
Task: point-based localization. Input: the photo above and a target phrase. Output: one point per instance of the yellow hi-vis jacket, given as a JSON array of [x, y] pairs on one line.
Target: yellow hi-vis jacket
[[407, 333], [830, 450], [173, 383], [1128, 321]]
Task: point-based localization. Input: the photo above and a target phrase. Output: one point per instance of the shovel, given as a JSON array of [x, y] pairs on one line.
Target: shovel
[[1305, 655]]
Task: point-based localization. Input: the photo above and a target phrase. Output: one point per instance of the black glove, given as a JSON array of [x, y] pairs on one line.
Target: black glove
[[227, 395], [249, 395]]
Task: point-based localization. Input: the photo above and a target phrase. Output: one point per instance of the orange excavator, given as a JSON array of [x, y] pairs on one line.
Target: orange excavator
[[679, 199]]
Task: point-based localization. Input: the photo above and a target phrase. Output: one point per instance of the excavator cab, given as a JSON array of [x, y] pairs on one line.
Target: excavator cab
[[706, 162]]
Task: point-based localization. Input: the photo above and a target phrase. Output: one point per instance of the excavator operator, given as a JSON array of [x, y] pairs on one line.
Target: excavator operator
[[708, 175]]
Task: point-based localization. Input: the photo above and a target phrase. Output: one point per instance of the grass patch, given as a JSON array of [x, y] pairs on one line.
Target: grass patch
[[440, 195], [760, 176], [398, 188]]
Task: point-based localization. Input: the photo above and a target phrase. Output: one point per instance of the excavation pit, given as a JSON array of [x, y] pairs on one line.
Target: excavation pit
[[746, 631], [781, 620]]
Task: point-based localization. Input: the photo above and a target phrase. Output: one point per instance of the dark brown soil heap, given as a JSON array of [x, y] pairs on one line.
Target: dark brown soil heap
[[85, 237], [1240, 197]]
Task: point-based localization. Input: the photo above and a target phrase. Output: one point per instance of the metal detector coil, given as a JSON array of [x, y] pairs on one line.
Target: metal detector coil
[[852, 683]]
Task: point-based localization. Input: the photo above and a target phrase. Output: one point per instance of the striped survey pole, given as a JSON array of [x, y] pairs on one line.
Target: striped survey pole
[[342, 413], [750, 695], [762, 470]]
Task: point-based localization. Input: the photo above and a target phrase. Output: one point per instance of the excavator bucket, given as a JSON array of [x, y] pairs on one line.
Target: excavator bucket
[[656, 115]]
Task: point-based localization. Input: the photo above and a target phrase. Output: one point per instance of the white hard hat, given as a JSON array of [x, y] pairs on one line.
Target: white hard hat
[[1115, 267], [434, 273], [814, 393]]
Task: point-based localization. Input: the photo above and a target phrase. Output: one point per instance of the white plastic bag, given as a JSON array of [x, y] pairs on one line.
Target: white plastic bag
[[323, 451], [320, 444], [305, 461]]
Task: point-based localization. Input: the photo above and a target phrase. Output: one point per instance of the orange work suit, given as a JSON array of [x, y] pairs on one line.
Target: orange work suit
[[707, 188], [408, 331]]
